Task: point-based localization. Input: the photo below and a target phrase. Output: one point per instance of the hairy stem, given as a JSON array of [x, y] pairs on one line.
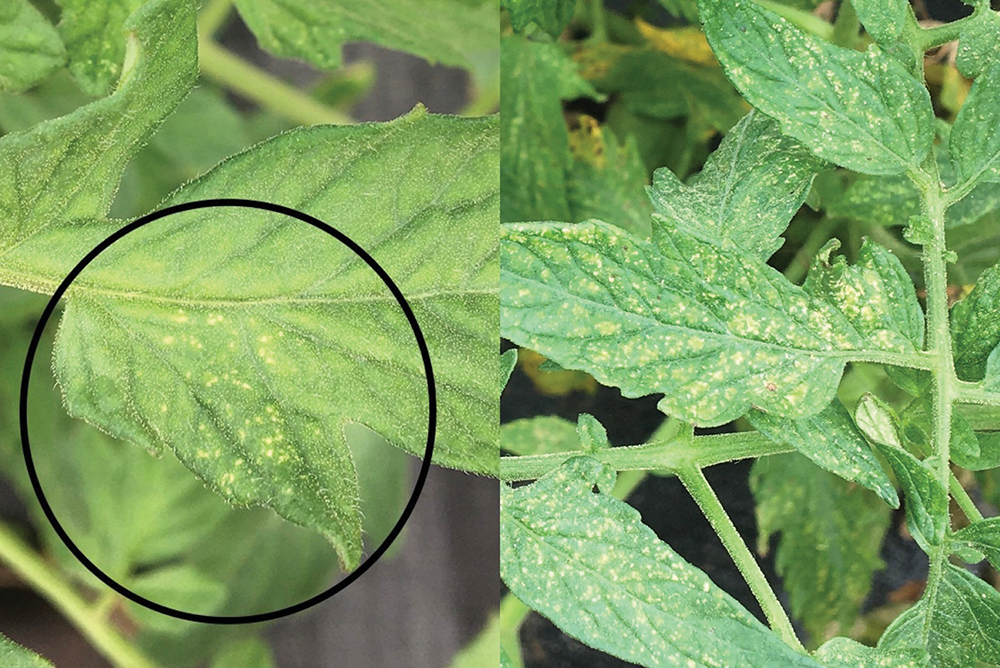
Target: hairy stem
[[696, 484], [930, 38], [963, 500], [943, 379], [667, 456], [266, 90], [51, 584]]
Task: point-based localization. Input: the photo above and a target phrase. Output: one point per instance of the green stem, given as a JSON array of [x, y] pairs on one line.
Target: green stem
[[512, 615], [972, 394], [213, 15], [51, 584], [800, 19], [963, 500], [845, 28], [700, 451], [694, 480], [599, 23], [982, 417], [268, 91], [943, 377], [931, 38]]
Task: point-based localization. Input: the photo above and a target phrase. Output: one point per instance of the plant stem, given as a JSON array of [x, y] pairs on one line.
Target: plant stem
[[262, 88], [512, 615], [845, 28], [213, 15], [694, 480], [599, 27], [800, 19], [943, 377], [51, 584], [670, 456], [930, 38], [962, 499]]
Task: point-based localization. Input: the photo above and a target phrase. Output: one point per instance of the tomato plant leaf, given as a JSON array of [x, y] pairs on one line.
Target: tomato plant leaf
[[975, 327], [535, 156], [962, 617], [30, 48], [977, 44], [259, 376], [68, 168], [552, 16], [984, 536], [831, 533], [92, 32], [586, 561], [974, 144], [663, 316], [847, 653], [14, 656], [539, 435], [926, 498], [441, 31], [860, 111], [831, 440], [884, 20], [748, 191]]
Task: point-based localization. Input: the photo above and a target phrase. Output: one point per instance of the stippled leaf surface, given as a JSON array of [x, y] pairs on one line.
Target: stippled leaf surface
[[963, 619], [539, 435], [15, 656], [748, 191], [673, 314], [68, 169], [875, 294], [975, 327], [831, 533], [552, 16], [860, 111], [884, 20], [974, 144], [587, 562], [847, 653], [442, 31], [30, 48], [92, 32], [926, 499], [247, 354], [977, 44], [535, 156], [831, 440]]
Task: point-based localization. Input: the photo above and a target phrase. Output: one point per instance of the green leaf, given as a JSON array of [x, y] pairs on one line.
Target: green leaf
[[30, 48], [587, 562], [665, 316], [991, 380], [508, 361], [14, 656], [977, 44], [539, 435], [748, 191], [505, 661], [249, 652], [831, 440], [441, 31], [831, 533], [975, 140], [975, 327], [182, 587], [552, 16], [926, 498], [92, 32], [606, 182], [983, 535], [875, 294], [884, 20], [535, 142], [684, 9], [593, 437], [383, 484], [847, 653], [250, 379], [860, 111], [68, 169], [963, 619]]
